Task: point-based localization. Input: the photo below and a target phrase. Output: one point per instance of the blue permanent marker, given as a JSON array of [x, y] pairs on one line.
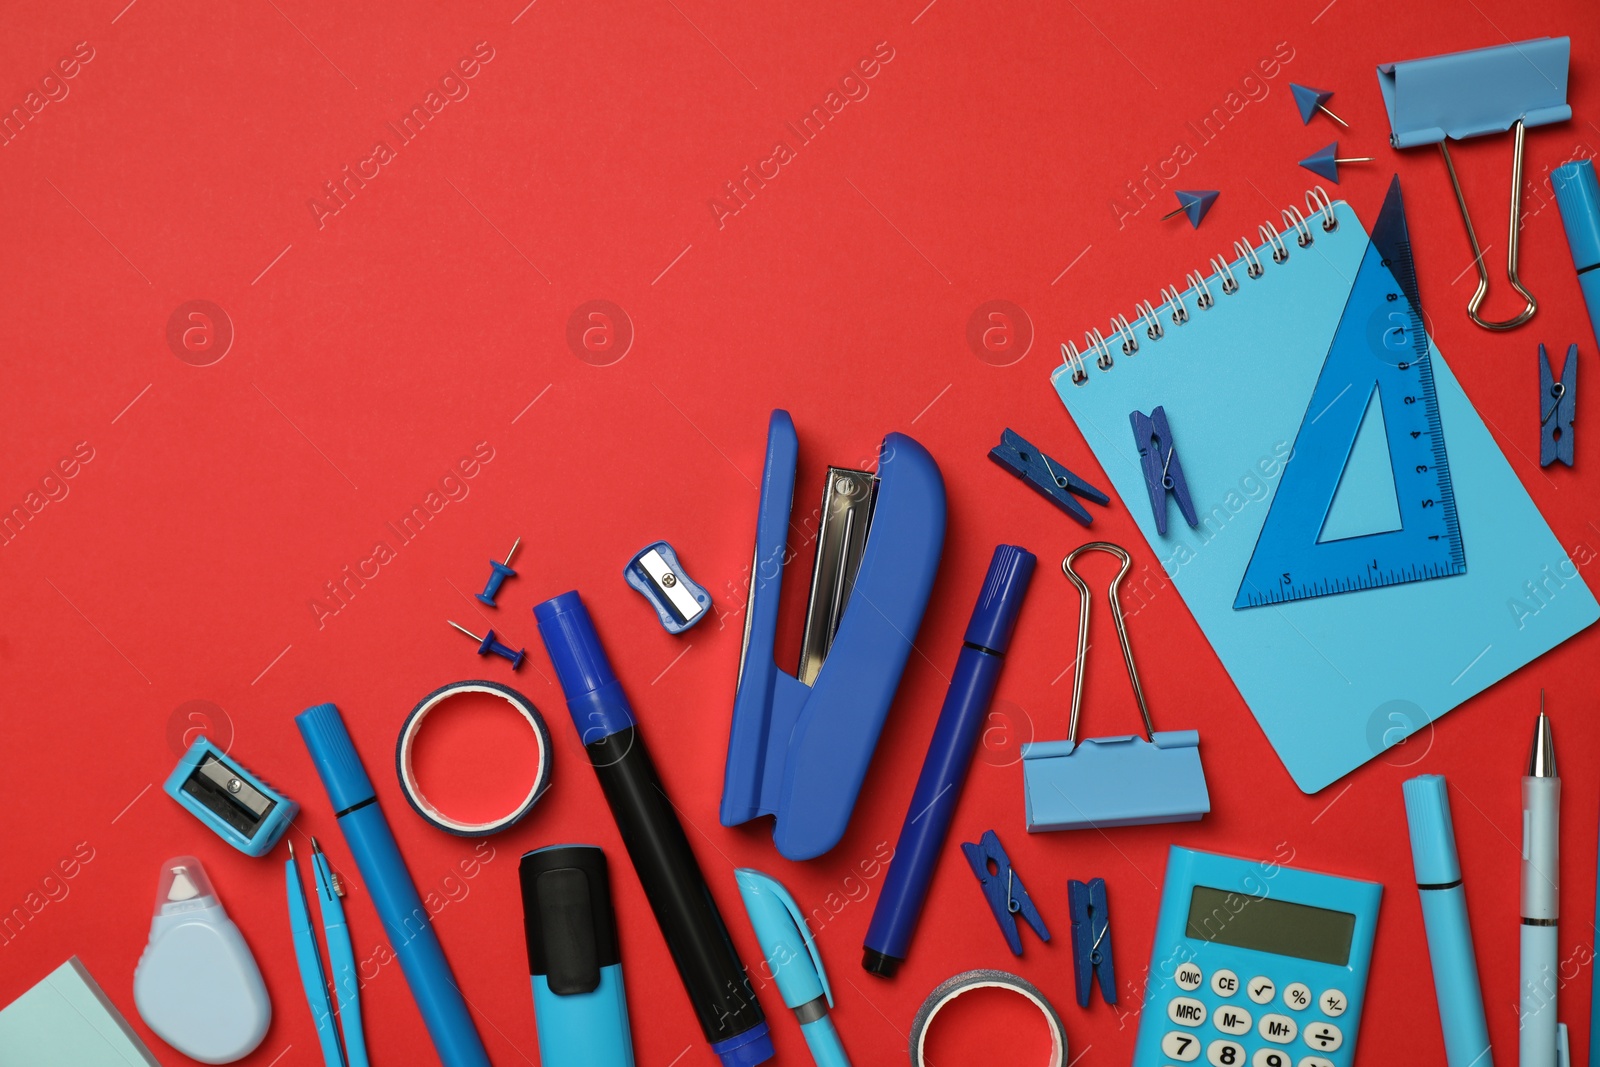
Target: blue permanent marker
[[673, 883], [1444, 916], [394, 895], [944, 769]]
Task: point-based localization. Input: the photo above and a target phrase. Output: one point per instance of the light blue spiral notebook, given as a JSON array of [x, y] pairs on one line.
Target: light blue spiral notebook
[[1333, 680]]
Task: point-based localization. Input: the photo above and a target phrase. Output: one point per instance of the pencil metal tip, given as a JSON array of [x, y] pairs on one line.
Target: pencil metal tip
[[291, 848], [1542, 761]]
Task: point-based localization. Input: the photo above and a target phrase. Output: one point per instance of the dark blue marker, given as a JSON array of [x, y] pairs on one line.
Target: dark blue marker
[[944, 770], [695, 933]]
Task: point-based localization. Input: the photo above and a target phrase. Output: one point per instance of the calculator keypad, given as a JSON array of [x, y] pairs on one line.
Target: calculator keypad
[[1288, 1038]]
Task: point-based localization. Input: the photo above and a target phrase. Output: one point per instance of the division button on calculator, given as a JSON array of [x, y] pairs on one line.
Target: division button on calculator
[[1261, 989], [1270, 1057], [1188, 977], [1332, 1003], [1225, 1054], [1224, 983], [1296, 996], [1314, 1061], [1180, 1046], [1280, 1029], [1235, 1021], [1324, 1037], [1186, 1011]]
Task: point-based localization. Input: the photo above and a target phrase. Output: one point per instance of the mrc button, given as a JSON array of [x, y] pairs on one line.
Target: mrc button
[[1186, 1011]]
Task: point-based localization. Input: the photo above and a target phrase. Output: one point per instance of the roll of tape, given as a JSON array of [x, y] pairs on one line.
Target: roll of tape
[[407, 773], [984, 979]]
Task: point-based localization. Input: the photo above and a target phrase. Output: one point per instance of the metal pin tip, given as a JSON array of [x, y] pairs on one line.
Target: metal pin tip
[[464, 630], [316, 848], [1542, 761], [291, 848], [514, 546]]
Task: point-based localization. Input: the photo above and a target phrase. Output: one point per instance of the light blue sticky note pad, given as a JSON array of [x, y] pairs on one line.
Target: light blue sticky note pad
[[1333, 680], [67, 1019]]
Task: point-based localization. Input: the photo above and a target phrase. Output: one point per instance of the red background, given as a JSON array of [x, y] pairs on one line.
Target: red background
[[373, 352]]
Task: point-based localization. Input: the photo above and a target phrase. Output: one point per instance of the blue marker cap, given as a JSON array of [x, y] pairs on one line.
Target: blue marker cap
[[1578, 197], [1433, 835], [994, 619], [595, 698], [335, 756], [752, 1047]]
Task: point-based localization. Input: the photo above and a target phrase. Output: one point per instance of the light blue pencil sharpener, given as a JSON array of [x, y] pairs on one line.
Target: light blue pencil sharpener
[[1124, 780], [243, 810]]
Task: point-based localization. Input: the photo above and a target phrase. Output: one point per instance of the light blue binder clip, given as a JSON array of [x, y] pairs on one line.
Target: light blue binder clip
[[1468, 94], [1111, 781]]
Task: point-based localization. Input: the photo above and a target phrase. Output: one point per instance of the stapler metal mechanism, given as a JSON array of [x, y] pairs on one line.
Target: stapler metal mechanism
[[800, 743]]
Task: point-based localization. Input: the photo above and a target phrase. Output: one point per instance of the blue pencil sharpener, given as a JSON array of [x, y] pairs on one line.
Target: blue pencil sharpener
[[243, 810], [655, 572]]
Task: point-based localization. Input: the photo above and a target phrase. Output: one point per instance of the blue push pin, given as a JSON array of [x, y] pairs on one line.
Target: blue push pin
[[1194, 203], [1310, 101], [1325, 162], [502, 571], [488, 644]]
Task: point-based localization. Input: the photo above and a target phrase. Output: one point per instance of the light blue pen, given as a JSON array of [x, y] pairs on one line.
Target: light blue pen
[[1444, 917], [796, 966], [342, 955]]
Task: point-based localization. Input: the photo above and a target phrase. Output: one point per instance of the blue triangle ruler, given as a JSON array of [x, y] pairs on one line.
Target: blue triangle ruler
[[1380, 348]]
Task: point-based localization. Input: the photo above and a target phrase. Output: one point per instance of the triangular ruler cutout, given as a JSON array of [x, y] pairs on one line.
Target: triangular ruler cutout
[[1379, 348], [1365, 502]]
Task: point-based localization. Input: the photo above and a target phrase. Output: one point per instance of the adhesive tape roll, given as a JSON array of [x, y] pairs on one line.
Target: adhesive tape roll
[[986, 979], [407, 772]]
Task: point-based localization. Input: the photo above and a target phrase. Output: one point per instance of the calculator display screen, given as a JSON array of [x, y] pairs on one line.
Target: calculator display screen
[[1268, 925]]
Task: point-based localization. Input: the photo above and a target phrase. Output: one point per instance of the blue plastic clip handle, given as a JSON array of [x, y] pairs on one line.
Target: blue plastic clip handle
[[798, 752], [1558, 407], [1047, 476], [1003, 889], [1091, 940], [1485, 90]]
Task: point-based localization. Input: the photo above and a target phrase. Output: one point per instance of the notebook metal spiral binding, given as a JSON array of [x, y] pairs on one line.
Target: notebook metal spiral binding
[[1319, 211]]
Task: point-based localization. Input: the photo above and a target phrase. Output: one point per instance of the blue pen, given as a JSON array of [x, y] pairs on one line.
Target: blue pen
[[1444, 916], [795, 964], [405, 920], [944, 769], [1578, 197]]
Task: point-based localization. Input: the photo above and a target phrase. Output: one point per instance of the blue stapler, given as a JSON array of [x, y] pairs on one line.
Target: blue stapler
[[800, 743]]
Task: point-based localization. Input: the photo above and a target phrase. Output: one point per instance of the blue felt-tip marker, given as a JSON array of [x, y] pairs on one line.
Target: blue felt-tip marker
[[1444, 917], [944, 769], [708, 964], [1578, 197]]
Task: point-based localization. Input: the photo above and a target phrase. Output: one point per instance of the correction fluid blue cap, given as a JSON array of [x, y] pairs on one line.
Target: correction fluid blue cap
[[335, 757], [595, 699], [994, 620], [1578, 197], [747, 1049], [1433, 834]]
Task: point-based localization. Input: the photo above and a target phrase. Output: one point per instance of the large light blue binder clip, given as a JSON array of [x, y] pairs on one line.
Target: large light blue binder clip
[[1111, 781], [1468, 94], [800, 743]]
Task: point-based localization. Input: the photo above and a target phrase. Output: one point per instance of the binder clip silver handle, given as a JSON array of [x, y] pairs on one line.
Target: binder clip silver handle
[[1482, 291], [1083, 633]]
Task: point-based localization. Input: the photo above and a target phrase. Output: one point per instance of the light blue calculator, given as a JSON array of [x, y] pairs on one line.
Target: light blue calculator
[[1256, 965]]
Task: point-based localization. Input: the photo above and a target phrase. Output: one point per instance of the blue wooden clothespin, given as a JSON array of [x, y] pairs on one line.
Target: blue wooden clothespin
[[1091, 940], [1558, 408], [1163, 472], [1005, 892], [1046, 475]]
